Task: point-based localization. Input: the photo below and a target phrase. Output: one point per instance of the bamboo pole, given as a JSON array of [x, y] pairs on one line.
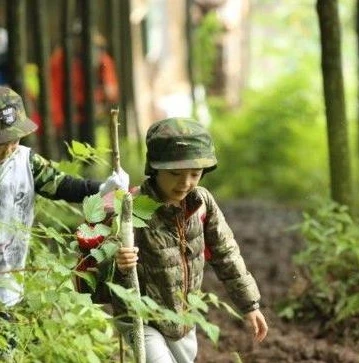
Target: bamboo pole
[[127, 240]]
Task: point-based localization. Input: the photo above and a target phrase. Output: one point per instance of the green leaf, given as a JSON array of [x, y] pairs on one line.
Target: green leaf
[[144, 206], [230, 310], [93, 207], [71, 318], [61, 269], [196, 302], [118, 290], [138, 223], [211, 330], [53, 234], [72, 168], [117, 202], [92, 357], [98, 230], [79, 149], [151, 303], [102, 229], [98, 254], [172, 316], [83, 341], [100, 336], [50, 296], [109, 249], [88, 277]]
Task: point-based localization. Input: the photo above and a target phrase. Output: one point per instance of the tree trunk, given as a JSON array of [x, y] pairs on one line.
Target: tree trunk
[[189, 41], [41, 34], [68, 11], [126, 76], [16, 26], [16, 10], [339, 160], [128, 109], [357, 39], [87, 126]]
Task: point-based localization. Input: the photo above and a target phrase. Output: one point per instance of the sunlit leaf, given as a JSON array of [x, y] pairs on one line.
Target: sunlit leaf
[[144, 206], [93, 207]]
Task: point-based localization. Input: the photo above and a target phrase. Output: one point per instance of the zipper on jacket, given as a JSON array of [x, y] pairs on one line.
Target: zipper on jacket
[[183, 245]]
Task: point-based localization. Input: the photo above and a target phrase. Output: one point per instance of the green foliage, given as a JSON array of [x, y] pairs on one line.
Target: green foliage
[[54, 323], [273, 147], [205, 50], [329, 265], [83, 152], [197, 305]]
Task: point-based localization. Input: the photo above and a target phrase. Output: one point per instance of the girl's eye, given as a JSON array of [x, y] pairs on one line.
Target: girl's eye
[[175, 173]]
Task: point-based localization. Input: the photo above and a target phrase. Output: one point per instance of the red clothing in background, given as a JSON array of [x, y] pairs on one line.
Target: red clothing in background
[[106, 87]]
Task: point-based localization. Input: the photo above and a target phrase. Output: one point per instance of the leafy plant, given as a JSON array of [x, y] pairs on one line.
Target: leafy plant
[[329, 266], [263, 148], [54, 323], [197, 304]]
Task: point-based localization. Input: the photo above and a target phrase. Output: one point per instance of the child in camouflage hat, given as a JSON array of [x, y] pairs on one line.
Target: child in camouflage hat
[[186, 230], [22, 174]]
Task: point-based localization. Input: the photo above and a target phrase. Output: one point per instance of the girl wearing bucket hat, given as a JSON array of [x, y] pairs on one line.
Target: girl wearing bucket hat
[[186, 230]]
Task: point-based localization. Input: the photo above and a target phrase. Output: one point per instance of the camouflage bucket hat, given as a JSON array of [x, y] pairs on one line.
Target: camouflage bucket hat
[[179, 143], [13, 121]]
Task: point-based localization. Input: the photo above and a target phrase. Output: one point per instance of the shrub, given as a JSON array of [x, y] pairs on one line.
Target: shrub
[[273, 147], [329, 279]]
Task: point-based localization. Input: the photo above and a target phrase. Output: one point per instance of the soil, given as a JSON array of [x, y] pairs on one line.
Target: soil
[[268, 247]]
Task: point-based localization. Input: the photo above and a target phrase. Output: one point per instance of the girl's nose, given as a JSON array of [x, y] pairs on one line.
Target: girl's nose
[[185, 180]]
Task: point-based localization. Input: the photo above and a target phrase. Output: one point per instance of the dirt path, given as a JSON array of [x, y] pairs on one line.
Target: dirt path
[[267, 247]]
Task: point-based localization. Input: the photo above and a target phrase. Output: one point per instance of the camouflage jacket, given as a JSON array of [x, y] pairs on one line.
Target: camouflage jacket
[[172, 258]]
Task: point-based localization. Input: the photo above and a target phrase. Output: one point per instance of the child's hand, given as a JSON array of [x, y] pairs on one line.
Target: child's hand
[[258, 322], [126, 258]]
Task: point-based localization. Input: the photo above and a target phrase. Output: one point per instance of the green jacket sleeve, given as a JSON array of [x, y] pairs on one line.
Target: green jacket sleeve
[[54, 184], [226, 258]]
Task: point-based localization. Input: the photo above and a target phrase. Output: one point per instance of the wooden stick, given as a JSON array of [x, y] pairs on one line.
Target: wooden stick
[[114, 140], [127, 239]]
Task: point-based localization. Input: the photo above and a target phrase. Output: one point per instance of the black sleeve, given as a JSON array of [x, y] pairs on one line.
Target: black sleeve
[[75, 190]]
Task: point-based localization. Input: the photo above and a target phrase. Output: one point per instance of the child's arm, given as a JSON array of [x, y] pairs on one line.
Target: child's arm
[[226, 258], [54, 184]]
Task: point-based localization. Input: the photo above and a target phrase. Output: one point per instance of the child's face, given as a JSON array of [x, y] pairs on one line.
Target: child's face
[[175, 184], [7, 149]]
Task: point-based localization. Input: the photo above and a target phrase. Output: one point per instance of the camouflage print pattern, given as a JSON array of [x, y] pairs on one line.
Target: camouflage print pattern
[[46, 177], [166, 272], [179, 143], [14, 123]]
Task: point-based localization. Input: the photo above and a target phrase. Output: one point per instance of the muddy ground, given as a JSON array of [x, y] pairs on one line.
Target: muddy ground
[[268, 247]]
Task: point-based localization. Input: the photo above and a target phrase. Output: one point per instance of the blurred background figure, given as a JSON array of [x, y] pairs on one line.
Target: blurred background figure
[[106, 92]]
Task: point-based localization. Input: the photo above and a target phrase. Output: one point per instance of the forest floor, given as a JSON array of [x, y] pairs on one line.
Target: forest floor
[[268, 248]]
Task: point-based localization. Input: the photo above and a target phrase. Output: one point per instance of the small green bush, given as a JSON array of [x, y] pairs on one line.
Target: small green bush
[[329, 267], [273, 147]]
